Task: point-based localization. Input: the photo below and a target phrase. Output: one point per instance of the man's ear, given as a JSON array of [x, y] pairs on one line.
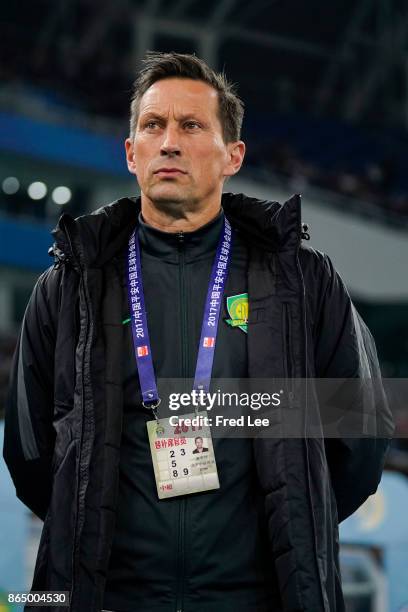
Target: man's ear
[[130, 156], [236, 153]]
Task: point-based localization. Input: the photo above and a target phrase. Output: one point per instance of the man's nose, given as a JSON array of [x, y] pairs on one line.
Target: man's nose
[[170, 144]]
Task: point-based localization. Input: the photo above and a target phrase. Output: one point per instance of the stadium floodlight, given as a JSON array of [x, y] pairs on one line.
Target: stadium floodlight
[[37, 190], [10, 185], [61, 195]]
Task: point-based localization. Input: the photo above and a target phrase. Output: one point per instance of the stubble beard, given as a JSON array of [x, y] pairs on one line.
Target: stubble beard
[[176, 207]]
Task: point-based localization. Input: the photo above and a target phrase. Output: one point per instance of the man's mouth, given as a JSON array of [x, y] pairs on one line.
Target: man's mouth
[[169, 171]]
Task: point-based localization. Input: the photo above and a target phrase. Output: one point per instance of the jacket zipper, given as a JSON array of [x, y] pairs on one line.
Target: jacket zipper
[[306, 441], [184, 373], [74, 569], [288, 363]]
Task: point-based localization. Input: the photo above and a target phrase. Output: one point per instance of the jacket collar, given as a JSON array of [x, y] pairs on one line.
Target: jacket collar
[[95, 238]]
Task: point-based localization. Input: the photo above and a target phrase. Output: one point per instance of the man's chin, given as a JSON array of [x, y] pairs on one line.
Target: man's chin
[[168, 197]]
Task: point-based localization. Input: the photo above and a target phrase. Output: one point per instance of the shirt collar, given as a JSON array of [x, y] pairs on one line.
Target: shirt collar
[[168, 245]]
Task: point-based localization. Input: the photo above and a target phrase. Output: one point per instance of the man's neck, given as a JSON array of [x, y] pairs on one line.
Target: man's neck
[[188, 222]]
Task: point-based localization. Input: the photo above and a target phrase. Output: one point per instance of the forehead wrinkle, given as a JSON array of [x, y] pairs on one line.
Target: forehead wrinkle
[[153, 110], [154, 103]]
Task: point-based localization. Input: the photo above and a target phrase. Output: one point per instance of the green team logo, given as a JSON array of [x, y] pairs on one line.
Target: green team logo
[[237, 306]]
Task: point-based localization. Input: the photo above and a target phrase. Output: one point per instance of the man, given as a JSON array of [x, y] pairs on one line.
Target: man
[[200, 448], [84, 379]]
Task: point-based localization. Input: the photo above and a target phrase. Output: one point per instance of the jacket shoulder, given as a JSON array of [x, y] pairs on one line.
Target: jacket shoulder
[[323, 284], [317, 267], [49, 284], [48, 292], [314, 260]]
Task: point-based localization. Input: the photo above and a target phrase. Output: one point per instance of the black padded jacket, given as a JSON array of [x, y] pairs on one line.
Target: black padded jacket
[[63, 415]]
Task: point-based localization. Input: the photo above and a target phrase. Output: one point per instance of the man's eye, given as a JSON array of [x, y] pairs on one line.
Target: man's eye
[[150, 125], [192, 124]]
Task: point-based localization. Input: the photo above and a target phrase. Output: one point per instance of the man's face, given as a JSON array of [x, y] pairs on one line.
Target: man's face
[[178, 154], [199, 443]]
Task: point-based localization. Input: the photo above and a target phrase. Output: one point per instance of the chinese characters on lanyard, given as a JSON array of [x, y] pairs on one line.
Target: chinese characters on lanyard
[[209, 327], [178, 469]]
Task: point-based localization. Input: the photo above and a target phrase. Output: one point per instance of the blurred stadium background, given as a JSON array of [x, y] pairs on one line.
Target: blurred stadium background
[[325, 86]]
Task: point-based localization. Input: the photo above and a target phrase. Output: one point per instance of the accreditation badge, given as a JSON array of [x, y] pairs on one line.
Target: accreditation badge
[[183, 455]]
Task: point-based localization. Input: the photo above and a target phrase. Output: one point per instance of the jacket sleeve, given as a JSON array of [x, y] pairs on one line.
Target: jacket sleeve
[[28, 434], [344, 348]]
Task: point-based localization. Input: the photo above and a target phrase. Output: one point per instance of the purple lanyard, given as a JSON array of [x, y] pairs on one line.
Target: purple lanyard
[[141, 342]]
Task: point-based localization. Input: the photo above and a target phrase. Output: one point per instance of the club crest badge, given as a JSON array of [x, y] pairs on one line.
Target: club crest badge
[[237, 306]]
